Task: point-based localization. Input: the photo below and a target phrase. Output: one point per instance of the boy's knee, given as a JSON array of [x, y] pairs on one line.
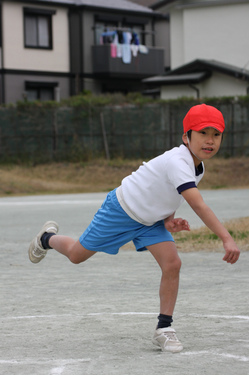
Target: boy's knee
[[173, 267], [176, 266], [74, 259], [78, 254]]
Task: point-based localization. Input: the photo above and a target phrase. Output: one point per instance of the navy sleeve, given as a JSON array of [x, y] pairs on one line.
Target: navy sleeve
[[186, 186]]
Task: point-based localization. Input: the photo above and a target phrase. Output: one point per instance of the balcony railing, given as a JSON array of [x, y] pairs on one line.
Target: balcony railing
[[141, 66]]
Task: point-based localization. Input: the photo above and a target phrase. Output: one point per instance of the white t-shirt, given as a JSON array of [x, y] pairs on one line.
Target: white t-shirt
[[153, 192]]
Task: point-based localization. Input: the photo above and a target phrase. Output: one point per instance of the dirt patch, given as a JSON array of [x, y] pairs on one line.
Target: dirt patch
[[103, 175], [206, 240]]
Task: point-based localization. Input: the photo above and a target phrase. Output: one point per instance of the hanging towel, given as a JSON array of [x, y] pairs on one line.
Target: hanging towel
[[126, 50], [126, 54], [134, 50], [114, 45], [113, 50], [119, 50]]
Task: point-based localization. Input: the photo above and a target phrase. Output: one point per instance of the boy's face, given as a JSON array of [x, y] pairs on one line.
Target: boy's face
[[204, 144]]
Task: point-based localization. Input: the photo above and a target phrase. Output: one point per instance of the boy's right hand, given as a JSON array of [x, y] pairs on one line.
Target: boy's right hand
[[176, 225], [195, 200], [232, 251]]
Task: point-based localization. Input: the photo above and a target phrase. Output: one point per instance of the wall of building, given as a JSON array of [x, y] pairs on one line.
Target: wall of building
[[176, 39], [219, 32], [87, 40], [15, 85], [177, 91], [222, 85], [219, 85], [162, 39], [16, 56]]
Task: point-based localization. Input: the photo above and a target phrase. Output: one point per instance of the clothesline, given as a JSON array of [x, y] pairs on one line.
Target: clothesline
[[113, 28], [122, 37]]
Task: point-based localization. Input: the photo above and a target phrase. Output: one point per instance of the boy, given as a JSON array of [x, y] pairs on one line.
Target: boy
[[142, 209]]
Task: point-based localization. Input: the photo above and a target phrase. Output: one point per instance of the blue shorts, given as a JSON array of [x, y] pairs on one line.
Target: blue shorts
[[111, 228]]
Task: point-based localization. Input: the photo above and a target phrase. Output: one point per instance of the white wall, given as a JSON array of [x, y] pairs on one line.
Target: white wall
[[177, 91], [223, 85], [216, 86], [176, 38], [15, 56], [210, 32]]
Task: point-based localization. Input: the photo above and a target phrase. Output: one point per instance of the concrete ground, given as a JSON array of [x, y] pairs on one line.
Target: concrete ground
[[99, 317]]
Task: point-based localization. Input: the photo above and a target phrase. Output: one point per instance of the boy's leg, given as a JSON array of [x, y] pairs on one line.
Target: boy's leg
[[169, 261], [47, 238], [72, 249]]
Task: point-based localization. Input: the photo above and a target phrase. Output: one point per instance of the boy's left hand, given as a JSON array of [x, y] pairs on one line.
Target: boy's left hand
[[176, 225]]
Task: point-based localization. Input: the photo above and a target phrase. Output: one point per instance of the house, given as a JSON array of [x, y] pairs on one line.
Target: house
[[34, 50], [208, 49], [52, 49]]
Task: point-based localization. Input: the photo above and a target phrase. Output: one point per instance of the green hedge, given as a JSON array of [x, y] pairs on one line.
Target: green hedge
[[87, 126]]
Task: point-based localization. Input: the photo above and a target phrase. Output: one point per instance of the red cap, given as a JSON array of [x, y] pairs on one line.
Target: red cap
[[203, 116]]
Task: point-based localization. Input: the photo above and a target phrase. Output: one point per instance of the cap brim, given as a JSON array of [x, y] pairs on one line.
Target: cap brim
[[202, 126]]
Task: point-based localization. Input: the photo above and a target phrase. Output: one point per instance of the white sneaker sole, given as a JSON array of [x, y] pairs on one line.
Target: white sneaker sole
[[50, 227], [168, 348]]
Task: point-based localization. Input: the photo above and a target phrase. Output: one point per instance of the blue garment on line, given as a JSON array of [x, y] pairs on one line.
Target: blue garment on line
[[126, 50]]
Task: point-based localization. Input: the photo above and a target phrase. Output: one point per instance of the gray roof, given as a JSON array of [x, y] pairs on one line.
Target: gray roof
[[108, 4], [177, 79], [183, 3], [145, 3], [197, 71], [211, 65], [160, 3], [62, 2], [115, 4]]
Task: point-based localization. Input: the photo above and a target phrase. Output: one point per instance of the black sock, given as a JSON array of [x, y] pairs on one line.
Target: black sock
[[164, 321], [45, 240]]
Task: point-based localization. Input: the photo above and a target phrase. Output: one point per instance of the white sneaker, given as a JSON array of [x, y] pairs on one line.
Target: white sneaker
[[166, 339], [36, 251]]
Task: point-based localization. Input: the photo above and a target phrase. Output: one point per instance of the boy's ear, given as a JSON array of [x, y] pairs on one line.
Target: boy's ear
[[185, 138]]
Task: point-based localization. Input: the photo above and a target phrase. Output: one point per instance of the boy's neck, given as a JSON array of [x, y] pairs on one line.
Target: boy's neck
[[197, 161]]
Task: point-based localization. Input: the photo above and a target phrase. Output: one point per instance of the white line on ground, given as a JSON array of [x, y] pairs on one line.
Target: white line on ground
[[58, 362], [213, 353], [240, 317], [49, 203], [70, 315]]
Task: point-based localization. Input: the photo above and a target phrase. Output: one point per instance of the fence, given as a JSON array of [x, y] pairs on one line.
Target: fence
[[54, 134]]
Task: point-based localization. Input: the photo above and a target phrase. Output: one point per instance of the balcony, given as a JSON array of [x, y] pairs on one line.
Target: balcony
[[142, 66]]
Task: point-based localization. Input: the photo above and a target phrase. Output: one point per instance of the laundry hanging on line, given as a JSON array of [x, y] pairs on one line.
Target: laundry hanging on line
[[124, 44]]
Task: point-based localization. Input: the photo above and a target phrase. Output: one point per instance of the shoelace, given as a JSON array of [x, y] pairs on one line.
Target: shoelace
[[171, 336]]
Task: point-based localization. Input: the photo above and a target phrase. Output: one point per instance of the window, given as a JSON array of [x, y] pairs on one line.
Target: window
[[40, 90], [38, 28]]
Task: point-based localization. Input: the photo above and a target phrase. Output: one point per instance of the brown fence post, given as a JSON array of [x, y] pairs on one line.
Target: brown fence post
[[104, 136]]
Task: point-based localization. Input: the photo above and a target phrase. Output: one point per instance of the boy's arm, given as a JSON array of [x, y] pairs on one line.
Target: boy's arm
[[196, 202]]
